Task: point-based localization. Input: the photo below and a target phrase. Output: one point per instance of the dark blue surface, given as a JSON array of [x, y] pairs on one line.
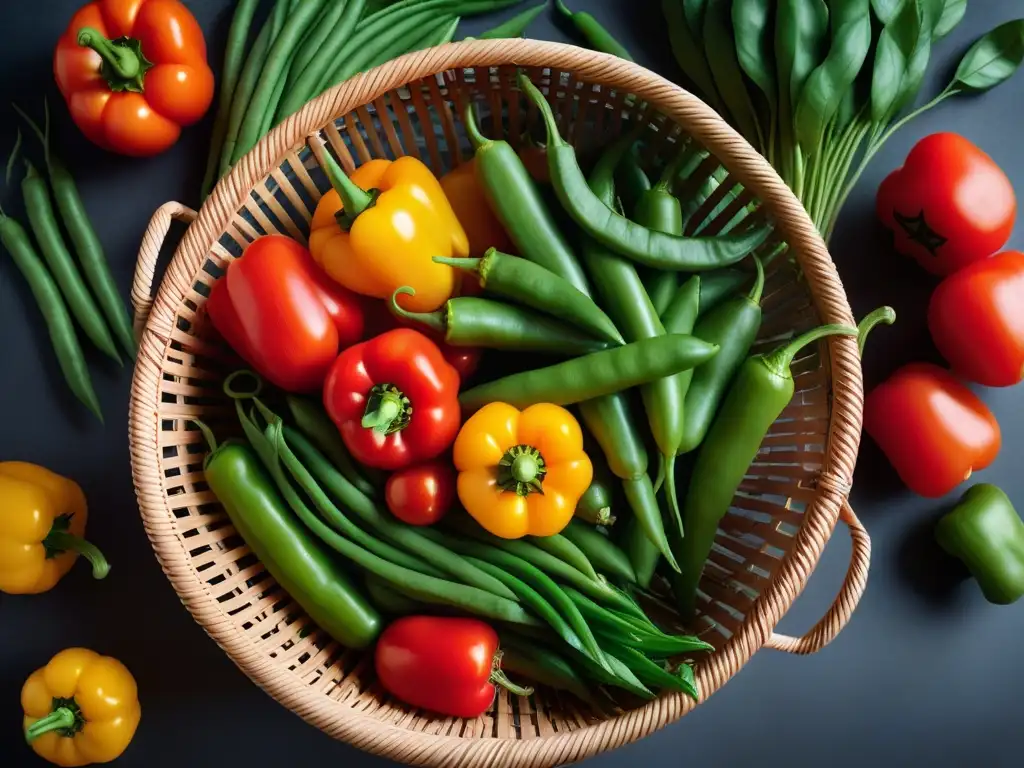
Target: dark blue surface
[[927, 672]]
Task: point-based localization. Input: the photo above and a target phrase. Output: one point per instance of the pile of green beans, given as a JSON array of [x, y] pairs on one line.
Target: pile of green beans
[[308, 46], [558, 588]]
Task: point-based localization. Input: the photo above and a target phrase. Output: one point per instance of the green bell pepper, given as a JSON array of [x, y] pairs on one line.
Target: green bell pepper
[[985, 532]]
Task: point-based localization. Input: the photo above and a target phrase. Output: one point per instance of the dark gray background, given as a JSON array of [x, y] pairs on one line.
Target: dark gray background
[[926, 673]]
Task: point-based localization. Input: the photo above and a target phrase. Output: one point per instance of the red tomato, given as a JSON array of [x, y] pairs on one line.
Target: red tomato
[[976, 317], [949, 205], [446, 665], [932, 428], [423, 494]]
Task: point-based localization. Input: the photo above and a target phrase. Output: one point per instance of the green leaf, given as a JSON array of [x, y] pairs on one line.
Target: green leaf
[[725, 68], [830, 82], [752, 28], [992, 59], [917, 65], [801, 27], [952, 14], [886, 10], [896, 45], [689, 54]]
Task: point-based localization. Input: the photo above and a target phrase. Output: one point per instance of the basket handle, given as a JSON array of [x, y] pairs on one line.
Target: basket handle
[[145, 268], [832, 623]]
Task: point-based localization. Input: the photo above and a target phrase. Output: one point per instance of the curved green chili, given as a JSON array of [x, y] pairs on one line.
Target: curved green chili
[[762, 389], [659, 210], [513, 196], [471, 321], [592, 31], [532, 285], [721, 284], [640, 244], [631, 181], [733, 326], [592, 376], [46, 228], [58, 322]]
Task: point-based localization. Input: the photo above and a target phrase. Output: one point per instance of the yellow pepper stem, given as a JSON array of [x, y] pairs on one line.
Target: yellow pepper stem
[[62, 541], [522, 470], [354, 200], [387, 410], [64, 719]]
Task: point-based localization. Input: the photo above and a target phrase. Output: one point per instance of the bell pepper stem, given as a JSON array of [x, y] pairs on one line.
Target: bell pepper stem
[[525, 468], [387, 410], [354, 199], [500, 679], [123, 62], [476, 138], [67, 542], [61, 718], [522, 470], [757, 290], [436, 321]]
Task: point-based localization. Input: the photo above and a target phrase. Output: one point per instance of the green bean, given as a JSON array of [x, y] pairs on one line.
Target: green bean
[[600, 550], [566, 551], [273, 69], [404, 536], [516, 26], [594, 375], [545, 667], [87, 244], [234, 58], [46, 229], [317, 37], [645, 540], [631, 181], [386, 599], [650, 673], [596, 36], [426, 588], [58, 322], [316, 425], [620, 677], [243, 93]]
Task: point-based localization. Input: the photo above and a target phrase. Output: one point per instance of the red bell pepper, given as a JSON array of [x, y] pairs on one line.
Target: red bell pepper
[[446, 665], [949, 205], [932, 428], [134, 73], [976, 317], [283, 315], [394, 399]]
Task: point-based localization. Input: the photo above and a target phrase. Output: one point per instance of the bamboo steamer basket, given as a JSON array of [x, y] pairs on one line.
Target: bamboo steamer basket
[[767, 546]]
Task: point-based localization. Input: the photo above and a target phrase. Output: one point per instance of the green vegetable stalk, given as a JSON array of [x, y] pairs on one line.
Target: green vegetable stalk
[[985, 532], [819, 87]]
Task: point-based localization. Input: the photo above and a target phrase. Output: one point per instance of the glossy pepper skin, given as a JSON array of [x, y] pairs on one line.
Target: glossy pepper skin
[[985, 532], [949, 205], [81, 708], [976, 317], [394, 399], [134, 73], [521, 473], [395, 220], [446, 665], [282, 315], [932, 428], [41, 529]]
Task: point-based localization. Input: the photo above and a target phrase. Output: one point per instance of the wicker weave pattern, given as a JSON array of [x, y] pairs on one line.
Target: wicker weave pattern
[[769, 543]]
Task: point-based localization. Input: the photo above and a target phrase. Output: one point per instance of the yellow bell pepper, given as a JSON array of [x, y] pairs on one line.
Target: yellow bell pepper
[[41, 529], [374, 242], [521, 473], [81, 708]]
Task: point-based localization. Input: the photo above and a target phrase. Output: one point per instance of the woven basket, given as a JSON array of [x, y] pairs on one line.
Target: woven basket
[[768, 544]]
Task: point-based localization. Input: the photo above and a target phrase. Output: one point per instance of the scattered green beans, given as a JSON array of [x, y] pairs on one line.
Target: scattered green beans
[[565, 550], [596, 36], [600, 550]]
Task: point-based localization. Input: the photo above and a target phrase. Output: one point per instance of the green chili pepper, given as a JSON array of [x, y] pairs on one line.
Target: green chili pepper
[[51, 242], [516, 26], [55, 313], [287, 550], [315, 424], [640, 244], [513, 196], [659, 210], [595, 505], [623, 293], [470, 321], [596, 36], [594, 375], [600, 550], [721, 284], [531, 285], [985, 532], [631, 181], [762, 389], [412, 540], [733, 326], [642, 552], [542, 665]]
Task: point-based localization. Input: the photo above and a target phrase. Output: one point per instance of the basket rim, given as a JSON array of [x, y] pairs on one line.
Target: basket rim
[[367, 731]]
